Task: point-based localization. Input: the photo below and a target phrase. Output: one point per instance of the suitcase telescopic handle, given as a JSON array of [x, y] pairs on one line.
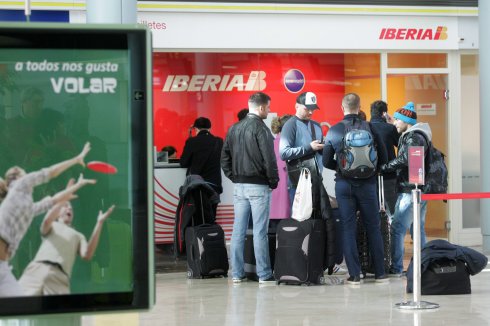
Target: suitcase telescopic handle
[[202, 208], [381, 193]]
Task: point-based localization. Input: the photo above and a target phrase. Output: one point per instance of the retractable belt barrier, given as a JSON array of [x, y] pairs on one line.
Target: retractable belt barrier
[[417, 197], [468, 195]]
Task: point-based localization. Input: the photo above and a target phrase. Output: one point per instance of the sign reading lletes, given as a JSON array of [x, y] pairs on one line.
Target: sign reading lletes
[[419, 34]]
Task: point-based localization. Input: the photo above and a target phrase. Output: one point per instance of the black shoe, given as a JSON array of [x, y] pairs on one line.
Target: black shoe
[[238, 280], [354, 280], [382, 279], [393, 273], [270, 281]]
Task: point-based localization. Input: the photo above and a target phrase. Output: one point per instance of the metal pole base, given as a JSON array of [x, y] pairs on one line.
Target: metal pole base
[[412, 305]]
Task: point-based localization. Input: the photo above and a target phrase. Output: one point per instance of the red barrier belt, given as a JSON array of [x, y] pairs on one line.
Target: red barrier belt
[[467, 195]]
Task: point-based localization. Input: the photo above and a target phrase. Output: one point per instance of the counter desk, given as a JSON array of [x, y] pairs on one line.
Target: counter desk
[[168, 177]]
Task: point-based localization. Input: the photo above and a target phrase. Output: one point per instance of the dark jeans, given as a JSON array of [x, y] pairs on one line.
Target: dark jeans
[[339, 252], [390, 194], [351, 197]]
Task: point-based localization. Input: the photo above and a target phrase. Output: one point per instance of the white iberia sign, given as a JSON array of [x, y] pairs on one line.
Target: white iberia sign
[[255, 81]]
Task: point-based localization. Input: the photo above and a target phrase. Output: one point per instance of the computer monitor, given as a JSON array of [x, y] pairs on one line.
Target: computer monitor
[[62, 86]]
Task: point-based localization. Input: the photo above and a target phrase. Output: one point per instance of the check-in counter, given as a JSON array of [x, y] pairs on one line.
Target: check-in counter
[[168, 177]]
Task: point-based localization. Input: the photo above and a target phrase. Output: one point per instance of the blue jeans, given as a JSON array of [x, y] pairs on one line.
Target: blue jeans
[[360, 195], [402, 220], [256, 199]]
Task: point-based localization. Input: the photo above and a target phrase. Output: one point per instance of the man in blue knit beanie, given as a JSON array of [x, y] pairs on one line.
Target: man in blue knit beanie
[[412, 133]]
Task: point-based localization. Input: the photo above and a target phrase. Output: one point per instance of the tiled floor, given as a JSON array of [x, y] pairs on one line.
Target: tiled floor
[[215, 302], [220, 302]]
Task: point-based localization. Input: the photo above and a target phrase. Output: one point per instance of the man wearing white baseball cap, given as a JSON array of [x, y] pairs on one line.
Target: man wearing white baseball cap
[[301, 143]]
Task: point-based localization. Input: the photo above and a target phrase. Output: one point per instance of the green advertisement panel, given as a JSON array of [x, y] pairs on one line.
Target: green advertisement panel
[[72, 137]]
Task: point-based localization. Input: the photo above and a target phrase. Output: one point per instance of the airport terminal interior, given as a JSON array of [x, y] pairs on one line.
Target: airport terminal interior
[[398, 69]]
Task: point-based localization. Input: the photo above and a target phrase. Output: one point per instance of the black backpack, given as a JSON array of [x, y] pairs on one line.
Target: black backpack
[[358, 157], [435, 170]]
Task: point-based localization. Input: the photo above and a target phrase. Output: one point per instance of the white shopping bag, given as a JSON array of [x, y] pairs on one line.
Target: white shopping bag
[[303, 199]]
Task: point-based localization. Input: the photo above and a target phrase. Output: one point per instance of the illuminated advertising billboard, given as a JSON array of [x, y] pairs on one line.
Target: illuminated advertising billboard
[[74, 217]]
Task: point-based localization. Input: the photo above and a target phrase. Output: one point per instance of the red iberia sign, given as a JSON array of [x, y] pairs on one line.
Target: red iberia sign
[[419, 34]]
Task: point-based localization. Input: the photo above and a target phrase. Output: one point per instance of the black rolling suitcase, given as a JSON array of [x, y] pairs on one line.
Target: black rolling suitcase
[[365, 259], [206, 251], [300, 252], [249, 255]]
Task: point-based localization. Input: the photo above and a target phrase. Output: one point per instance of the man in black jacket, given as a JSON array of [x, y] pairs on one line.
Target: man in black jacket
[[202, 154], [356, 194], [411, 134], [248, 160], [390, 136]]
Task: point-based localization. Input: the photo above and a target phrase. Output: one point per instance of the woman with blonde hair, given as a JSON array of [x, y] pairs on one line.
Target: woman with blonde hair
[[17, 209]]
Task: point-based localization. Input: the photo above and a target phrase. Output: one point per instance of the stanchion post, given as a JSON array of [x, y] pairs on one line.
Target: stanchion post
[[416, 304], [416, 193], [27, 10]]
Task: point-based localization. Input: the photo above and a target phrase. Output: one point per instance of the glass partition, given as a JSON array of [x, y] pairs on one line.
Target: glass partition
[[470, 140], [417, 60]]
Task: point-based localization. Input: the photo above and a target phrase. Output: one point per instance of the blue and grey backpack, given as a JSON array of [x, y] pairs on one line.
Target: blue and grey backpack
[[358, 157]]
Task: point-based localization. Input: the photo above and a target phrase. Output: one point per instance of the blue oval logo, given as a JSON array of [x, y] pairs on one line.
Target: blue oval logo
[[294, 80]]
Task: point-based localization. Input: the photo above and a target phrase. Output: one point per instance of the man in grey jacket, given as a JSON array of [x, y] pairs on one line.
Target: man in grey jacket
[[248, 160], [302, 143]]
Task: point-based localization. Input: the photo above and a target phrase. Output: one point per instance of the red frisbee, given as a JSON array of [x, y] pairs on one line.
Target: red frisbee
[[102, 167]]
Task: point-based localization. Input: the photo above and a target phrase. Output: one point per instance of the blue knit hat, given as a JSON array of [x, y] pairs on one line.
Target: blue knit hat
[[407, 114]]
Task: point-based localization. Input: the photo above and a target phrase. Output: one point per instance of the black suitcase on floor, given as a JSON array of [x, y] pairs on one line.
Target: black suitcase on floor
[[206, 251], [300, 252], [365, 259], [443, 276], [249, 255]]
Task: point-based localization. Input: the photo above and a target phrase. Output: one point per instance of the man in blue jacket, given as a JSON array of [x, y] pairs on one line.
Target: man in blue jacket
[[248, 160], [356, 194]]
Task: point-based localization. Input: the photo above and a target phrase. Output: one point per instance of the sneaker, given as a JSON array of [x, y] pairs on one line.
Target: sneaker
[[270, 281], [382, 279], [393, 273], [339, 270], [354, 280], [238, 280]]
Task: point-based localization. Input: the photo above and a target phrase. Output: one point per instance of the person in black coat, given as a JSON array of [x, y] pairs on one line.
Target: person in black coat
[[390, 136], [202, 154]]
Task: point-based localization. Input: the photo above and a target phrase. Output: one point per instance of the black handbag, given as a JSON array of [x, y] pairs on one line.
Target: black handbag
[[444, 276], [295, 166]]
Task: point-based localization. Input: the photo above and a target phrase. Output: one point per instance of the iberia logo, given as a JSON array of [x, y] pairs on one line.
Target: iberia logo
[[254, 81], [438, 34]]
